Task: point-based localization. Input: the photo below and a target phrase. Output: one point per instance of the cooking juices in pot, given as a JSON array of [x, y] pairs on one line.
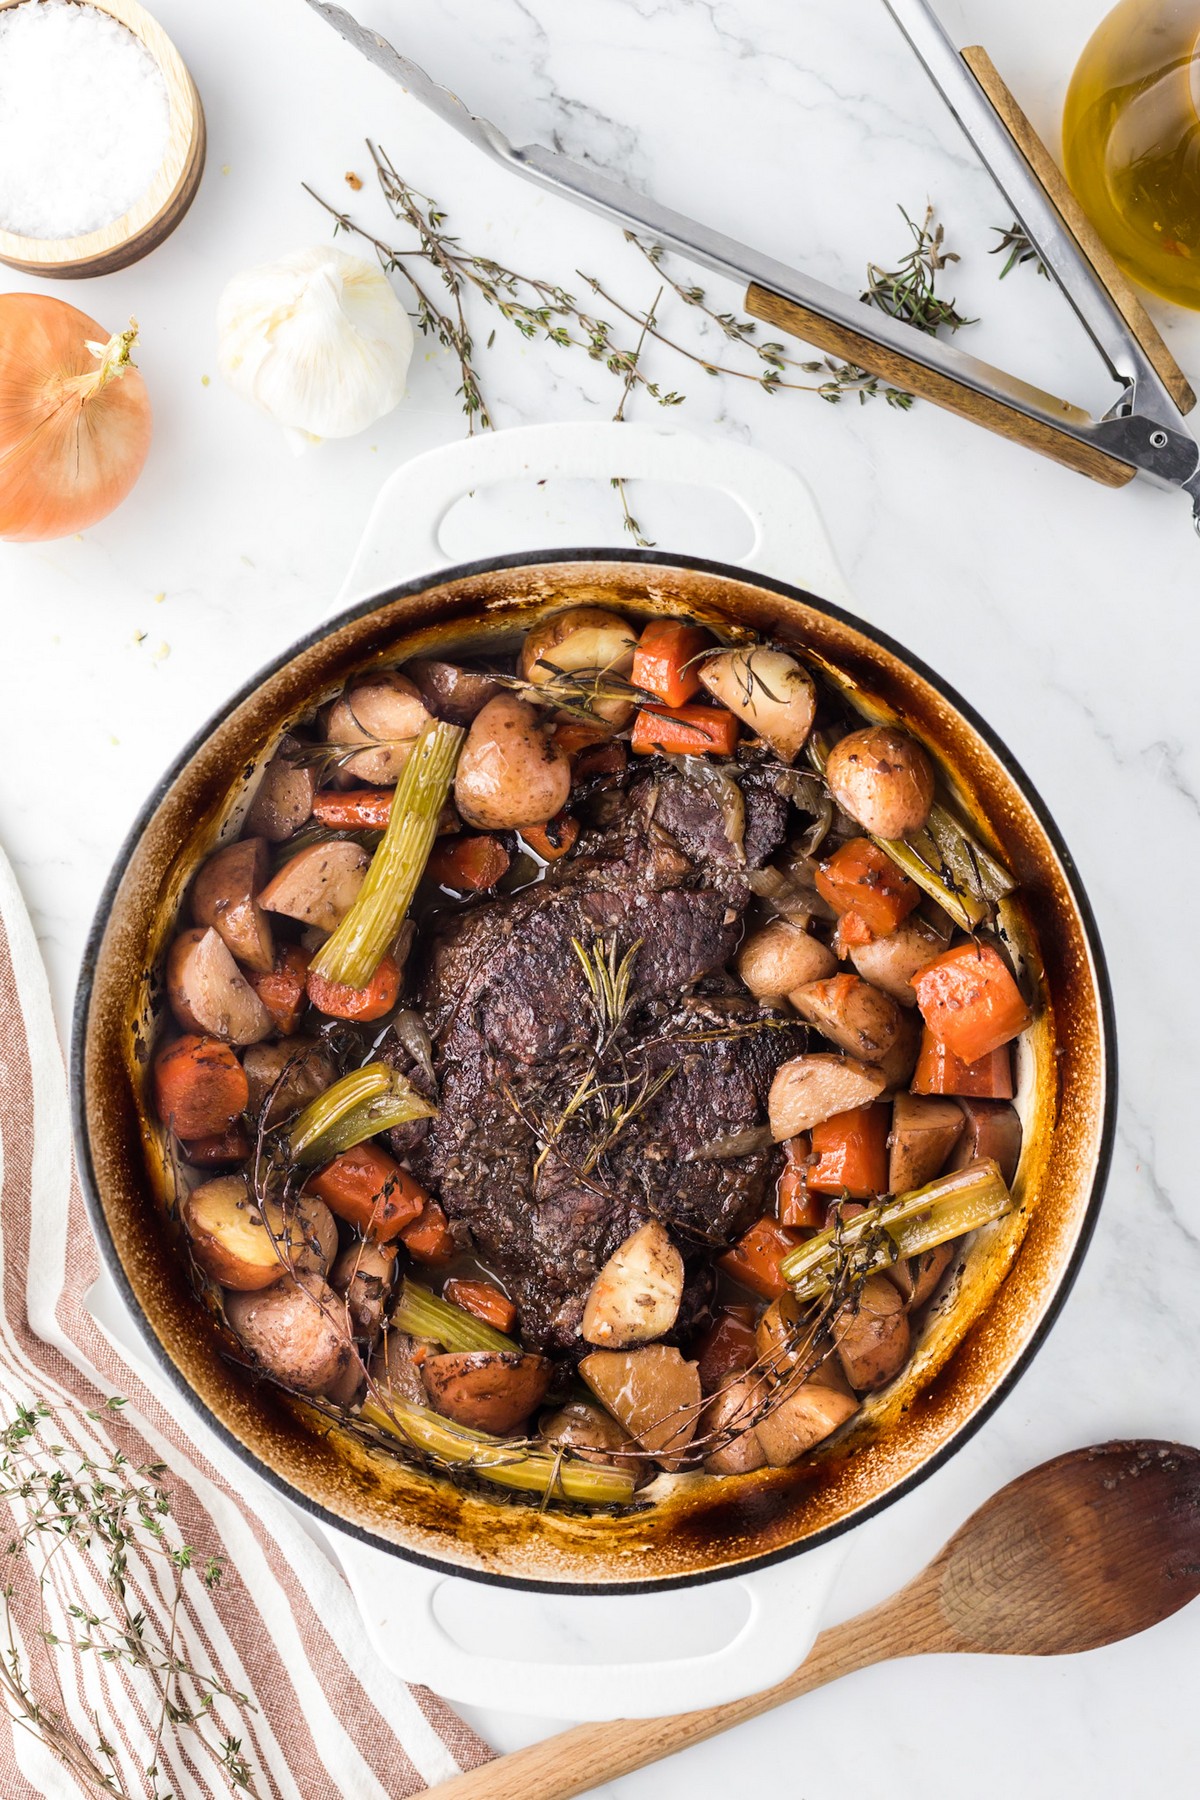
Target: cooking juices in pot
[[584, 1070]]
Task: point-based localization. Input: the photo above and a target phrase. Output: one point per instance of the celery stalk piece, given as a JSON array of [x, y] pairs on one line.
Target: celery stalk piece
[[400, 1104], [365, 935], [942, 858], [306, 1138], [508, 1464], [912, 1223], [423, 1314]]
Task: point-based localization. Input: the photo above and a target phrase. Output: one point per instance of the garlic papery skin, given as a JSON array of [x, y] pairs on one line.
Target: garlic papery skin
[[319, 341]]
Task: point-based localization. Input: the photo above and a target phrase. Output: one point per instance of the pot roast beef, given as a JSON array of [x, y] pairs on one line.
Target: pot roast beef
[[525, 1154]]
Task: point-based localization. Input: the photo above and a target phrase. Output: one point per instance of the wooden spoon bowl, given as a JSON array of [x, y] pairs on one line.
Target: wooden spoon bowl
[[1092, 1547]]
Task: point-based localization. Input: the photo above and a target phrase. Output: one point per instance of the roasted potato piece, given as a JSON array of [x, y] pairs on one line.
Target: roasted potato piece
[[319, 885], [803, 1419], [899, 1064], [851, 1014], [809, 1089], [364, 1274], [779, 1339], [769, 691], [385, 710], [225, 896], [585, 641], [302, 1067], [394, 1368], [780, 956], [590, 1432], [992, 1128], [246, 1247], [733, 1408], [873, 1337], [489, 1390], [636, 1295], [652, 1392], [296, 1330], [510, 773], [883, 779], [208, 992], [891, 962], [283, 801], [917, 1276], [925, 1128], [450, 692]]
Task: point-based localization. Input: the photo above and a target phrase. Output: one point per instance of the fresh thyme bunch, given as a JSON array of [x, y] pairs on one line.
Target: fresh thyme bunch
[[71, 1507]]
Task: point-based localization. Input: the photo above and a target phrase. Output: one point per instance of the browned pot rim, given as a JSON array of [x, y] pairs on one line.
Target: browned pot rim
[[1107, 1057]]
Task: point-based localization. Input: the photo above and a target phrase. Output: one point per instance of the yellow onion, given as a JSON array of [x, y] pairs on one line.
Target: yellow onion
[[74, 418]]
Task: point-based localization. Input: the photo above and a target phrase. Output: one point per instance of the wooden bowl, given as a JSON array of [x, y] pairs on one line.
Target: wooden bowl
[[156, 214], [996, 1306]]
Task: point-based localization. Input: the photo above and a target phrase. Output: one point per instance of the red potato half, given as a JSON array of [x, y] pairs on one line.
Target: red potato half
[[891, 962], [489, 1390], [925, 1129], [208, 992], [284, 797], [510, 773], [780, 956], [769, 691], [384, 710], [873, 1337], [652, 1392], [296, 1330], [319, 885], [246, 1247], [637, 1293], [883, 779], [450, 692], [810, 1089], [802, 1420], [991, 1128], [727, 1422], [225, 896], [364, 1274], [851, 1014], [394, 1367], [586, 642], [297, 1070], [590, 1432]]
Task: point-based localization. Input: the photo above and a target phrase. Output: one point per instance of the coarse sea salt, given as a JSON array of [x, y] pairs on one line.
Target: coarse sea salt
[[84, 119]]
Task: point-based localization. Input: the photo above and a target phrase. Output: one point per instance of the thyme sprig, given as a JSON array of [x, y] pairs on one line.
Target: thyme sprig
[[545, 310], [106, 1512]]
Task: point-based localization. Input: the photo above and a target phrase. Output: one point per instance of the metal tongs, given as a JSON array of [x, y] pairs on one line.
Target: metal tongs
[[1142, 433]]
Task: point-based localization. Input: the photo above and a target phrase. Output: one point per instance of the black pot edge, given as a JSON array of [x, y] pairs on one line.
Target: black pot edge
[[727, 572]]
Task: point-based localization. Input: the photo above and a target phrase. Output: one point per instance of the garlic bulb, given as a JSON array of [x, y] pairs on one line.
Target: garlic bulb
[[318, 340]]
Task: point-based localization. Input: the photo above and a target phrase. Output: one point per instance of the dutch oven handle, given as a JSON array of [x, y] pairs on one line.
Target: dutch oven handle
[[397, 1600], [402, 535]]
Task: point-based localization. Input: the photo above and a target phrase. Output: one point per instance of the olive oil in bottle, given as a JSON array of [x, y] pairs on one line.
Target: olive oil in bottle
[[1131, 141]]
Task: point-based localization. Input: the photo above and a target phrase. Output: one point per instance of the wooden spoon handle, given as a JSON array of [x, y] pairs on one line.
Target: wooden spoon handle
[[587, 1755]]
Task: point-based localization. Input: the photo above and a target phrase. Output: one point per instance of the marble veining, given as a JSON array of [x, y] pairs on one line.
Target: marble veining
[[1065, 612]]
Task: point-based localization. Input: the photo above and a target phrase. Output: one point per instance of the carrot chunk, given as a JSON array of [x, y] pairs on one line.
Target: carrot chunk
[[553, 840], [851, 1153], [664, 663], [428, 1238], [284, 991], [575, 735], [728, 1344], [795, 1202], [969, 1000], [361, 809], [341, 1001], [200, 1087], [599, 764], [861, 882], [754, 1260], [368, 1188], [687, 731], [939, 1071], [469, 864], [220, 1151], [483, 1300]]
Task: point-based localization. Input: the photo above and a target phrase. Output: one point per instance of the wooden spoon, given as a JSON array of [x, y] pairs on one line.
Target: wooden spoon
[[1082, 1551]]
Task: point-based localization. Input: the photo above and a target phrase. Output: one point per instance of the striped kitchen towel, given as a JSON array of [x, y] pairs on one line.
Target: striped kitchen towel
[[324, 1721]]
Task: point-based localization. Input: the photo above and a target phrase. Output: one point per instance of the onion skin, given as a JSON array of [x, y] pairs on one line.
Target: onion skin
[[74, 432]]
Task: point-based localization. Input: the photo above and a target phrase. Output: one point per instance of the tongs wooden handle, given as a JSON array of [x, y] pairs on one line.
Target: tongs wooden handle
[[901, 371]]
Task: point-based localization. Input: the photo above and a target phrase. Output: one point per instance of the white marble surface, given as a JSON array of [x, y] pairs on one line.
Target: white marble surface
[[1067, 613]]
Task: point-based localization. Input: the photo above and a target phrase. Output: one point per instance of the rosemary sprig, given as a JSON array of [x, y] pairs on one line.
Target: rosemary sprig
[[106, 1513], [1020, 247]]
